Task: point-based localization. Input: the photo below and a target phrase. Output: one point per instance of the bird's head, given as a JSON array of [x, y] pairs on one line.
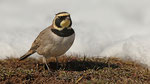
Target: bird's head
[[62, 20]]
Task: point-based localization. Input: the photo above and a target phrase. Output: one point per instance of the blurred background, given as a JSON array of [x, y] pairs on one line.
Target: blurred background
[[104, 28]]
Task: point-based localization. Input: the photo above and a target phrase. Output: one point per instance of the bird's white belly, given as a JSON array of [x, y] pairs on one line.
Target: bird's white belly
[[60, 46]]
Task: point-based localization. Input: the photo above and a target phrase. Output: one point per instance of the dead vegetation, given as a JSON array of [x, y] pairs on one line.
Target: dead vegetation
[[73, 70]]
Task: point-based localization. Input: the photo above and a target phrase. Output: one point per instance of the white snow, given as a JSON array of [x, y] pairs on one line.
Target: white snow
[[118, 28]]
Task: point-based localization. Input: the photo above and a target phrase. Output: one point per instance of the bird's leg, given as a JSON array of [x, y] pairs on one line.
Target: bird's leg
[[44, 60], [56, 63]]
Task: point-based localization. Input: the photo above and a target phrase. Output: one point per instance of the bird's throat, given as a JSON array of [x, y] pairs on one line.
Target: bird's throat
[[63, 33]]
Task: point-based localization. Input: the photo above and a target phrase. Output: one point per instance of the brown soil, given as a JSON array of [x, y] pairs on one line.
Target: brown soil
[[71, 70]]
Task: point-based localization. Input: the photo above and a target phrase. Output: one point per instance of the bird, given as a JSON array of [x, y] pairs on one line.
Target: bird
[[55, 40]]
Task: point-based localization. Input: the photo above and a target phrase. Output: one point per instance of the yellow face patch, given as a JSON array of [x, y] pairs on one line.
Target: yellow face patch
[[65, 23]]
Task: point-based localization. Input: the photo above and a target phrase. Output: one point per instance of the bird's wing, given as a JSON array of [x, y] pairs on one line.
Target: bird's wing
[[37, 43], [40, 38]]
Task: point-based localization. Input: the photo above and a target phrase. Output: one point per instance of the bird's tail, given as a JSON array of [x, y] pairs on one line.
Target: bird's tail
[[30, 52]]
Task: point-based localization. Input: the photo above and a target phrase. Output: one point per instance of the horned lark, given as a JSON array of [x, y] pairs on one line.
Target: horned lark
[[55, 40]]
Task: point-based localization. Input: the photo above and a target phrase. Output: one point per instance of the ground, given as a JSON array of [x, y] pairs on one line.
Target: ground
[[73, 70]]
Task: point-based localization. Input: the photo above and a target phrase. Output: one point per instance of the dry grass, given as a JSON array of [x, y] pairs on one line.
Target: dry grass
[[73, 70]]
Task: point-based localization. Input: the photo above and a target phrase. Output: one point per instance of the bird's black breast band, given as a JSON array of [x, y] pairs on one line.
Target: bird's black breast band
[[63, 33]]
